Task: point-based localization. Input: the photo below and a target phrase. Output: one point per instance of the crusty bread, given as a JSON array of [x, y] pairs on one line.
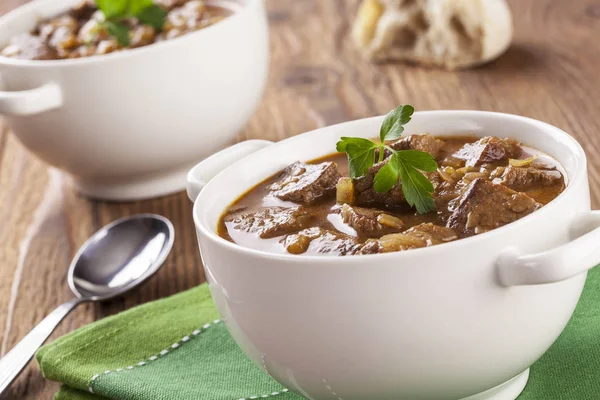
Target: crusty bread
[[451, 34]]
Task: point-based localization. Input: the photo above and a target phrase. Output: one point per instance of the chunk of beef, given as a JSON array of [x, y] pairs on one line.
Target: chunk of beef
[[327, 242], [426, 143], [485, 206], [360, 191], [370, 222], [306, 183], [423, 235], [520, 178], [454, 182], [270, 222], [365, 194], [83, 10], [488, 149]]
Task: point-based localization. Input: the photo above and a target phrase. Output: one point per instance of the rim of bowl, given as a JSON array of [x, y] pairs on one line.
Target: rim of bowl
[[574, 180], [33, 6]]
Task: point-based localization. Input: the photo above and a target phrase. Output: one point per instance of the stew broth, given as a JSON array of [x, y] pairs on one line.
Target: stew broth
[[471, 197], [80, 32]]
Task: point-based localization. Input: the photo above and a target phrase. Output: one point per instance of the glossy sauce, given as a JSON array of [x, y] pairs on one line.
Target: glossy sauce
[[80, 33], [260, 197]]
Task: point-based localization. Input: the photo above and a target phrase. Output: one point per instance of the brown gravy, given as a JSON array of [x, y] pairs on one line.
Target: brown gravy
[[327, 215], [80, 32]]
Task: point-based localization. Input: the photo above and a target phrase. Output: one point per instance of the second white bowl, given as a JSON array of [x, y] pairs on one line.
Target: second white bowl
[[128, 125]]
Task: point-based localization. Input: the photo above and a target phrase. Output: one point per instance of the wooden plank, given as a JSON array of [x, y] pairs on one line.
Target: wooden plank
[[317, 78]]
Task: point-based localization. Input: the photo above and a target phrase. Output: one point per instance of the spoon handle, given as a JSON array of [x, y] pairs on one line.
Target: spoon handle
[[16, 359]]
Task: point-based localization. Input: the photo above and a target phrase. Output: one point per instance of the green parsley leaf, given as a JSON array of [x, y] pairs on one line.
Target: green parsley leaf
[[361, 156], [406, 165], [153, 16], [117, 11], [119, 30], [113, 8], [392, 126], [134, 7], [386, 126], [417, 189], [419, 160], [360, 161], [387, 176], [342, 145], [405, 113]]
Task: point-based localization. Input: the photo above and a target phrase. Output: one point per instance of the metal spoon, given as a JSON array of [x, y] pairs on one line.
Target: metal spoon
[[115, 259]]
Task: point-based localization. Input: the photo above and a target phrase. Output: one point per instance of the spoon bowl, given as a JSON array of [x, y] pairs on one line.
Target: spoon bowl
[[139, 245]]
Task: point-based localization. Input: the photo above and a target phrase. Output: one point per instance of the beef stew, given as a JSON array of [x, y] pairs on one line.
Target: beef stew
[[316, 209], [81, 32]]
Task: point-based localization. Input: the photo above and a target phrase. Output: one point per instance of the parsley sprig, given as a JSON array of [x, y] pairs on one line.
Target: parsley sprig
[[117, 11], [406, 165]]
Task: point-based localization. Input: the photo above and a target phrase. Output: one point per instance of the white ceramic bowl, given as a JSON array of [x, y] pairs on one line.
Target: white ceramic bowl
[[459, 320], [130, 124]]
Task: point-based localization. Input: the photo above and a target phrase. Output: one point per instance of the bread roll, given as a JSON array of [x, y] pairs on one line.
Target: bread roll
[[451, 34]]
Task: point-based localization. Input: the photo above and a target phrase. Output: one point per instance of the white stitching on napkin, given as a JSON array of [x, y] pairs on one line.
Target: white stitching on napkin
[[163, 353], [328, 386], [174, 346], [264, 396]]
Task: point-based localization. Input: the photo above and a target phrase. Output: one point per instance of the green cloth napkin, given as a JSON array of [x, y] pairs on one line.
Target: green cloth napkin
[[171, 349], [176, 349]]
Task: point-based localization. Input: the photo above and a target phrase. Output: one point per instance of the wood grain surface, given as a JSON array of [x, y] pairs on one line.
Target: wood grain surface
[[317, 78]]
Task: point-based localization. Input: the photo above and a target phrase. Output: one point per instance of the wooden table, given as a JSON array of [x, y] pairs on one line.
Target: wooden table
[[317, 78]]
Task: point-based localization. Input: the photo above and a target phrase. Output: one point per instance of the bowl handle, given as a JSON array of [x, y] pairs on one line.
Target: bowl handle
[[34, 101], [557, 264], [204, 171]]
